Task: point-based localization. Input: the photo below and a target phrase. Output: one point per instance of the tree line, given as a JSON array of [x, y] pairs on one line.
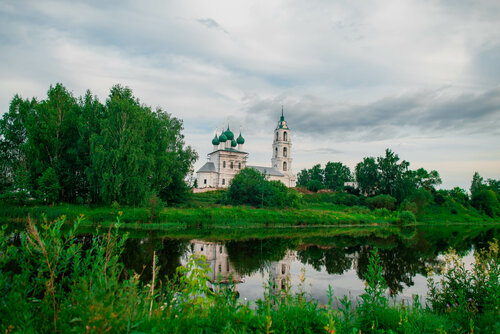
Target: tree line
[[79, 150], [387, 181]]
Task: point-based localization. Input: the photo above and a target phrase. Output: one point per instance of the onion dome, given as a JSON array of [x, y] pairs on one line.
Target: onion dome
[[233, 143], [215, 141], [240, 140], [229, 134], [222, 138]]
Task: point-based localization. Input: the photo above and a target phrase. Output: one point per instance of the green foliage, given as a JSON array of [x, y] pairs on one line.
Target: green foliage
[[48, 186], [373, 300], [250, 187], [421, 198], [333, 177], [476, 184], [381, 201], [470, 297], [314, 185], [336, 175], [406, 217], [367, 176], [485, 200], [118, 151]]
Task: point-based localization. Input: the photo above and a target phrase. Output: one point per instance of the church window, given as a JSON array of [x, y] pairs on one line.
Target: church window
[[201, 248], [284, 165], [220, 249], [283, 269], [223, 164], [231, 165], [220, 268], [276, 136], [276, 152], [239, 165], [283, 284], [223, 181], [227, 265], [285, 135], [284, 151], [205, 181]]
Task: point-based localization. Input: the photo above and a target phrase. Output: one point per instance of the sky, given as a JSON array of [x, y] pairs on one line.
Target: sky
[[419, 77]]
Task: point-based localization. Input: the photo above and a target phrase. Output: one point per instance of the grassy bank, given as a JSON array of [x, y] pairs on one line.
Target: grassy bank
[[205, 209], [52, 283]]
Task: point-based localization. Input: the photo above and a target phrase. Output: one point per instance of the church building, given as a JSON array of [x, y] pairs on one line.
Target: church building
[[228, 158]]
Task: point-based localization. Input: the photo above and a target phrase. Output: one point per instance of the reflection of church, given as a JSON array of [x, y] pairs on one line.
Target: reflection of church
[[218, 261], [279, 273], [228, 158]]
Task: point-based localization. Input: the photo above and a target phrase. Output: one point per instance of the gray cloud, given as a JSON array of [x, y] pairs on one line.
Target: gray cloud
[[423, 112], [212, 24]]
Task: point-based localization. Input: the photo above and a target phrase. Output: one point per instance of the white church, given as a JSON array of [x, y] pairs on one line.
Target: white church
[[228, 158]]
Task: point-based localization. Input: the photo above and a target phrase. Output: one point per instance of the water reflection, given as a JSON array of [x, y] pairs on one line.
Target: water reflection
[[340, 260]]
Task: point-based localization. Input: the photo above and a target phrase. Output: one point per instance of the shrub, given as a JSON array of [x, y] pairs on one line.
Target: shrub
[[409, 206], [249, 186], [406, 217], [48, 186], [381, 201], [470, 297], [486, 201], [314, 185], [381, 212], [421, 198]]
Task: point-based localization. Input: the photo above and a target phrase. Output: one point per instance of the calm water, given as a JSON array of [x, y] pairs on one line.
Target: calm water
[[328, 257]]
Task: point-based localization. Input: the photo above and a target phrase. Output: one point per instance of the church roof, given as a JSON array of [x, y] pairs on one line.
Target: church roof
[[228, 149], [267, 170], [208, 167]]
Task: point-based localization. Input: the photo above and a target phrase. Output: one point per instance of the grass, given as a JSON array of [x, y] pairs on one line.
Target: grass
[[205, 210]]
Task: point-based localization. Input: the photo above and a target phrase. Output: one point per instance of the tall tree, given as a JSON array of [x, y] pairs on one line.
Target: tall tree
[[367, 176], [13, 139], [393, 177], [336, 174], [137, 152]]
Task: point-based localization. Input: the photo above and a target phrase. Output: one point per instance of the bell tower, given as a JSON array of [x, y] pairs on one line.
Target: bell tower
[[282, 147]]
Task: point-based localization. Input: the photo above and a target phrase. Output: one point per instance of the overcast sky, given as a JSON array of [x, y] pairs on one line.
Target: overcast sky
[[355, 77]]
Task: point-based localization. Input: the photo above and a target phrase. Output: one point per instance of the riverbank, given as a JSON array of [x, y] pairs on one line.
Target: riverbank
[[210, 214]]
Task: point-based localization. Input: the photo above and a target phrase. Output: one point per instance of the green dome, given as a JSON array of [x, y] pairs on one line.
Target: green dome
[[222, 138], [229, 134], [233, 143], [215, 141], [240, 140]]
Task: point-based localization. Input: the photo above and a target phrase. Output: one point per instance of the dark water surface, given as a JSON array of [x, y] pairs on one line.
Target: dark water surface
[[309, 259]]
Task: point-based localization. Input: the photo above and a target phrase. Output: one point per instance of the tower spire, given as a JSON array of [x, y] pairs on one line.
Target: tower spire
[[282, 118]]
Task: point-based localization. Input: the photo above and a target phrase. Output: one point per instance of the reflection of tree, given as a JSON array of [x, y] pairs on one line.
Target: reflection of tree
[[400, 264], [138, 256], [336, 260], [252, 255]]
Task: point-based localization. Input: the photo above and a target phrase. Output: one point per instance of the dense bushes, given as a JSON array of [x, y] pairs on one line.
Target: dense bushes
[[381, 201], [250, 187]]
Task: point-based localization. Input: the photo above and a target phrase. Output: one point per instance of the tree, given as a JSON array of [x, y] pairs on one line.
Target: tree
[[392, 173], [138, 152], [367, 176], [476, 184], [48, 186], [486, 201], [336, 175], [249, 186], [427, 180], [13, 137]]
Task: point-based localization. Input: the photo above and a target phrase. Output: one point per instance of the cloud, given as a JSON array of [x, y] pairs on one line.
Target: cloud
[[212, 24], [426, 112]]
